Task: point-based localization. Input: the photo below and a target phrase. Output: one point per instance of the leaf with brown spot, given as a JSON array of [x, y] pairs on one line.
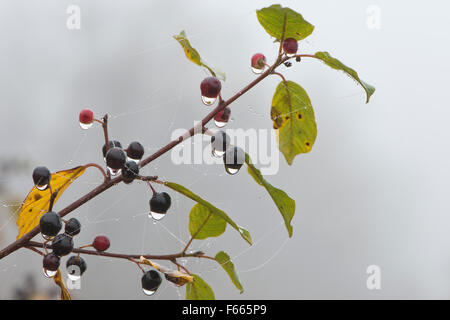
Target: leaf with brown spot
[[37, 202]]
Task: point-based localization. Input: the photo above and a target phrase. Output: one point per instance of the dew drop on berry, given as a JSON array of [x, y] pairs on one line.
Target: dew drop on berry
[[231, 170], [208, 101], [218, 154], [73, 273], [156, 216], [86, 126], [220, 124], [47, 238], [149, 292], [134, 160], [48, 273], [42, 188], [114, 172], [258, 71]]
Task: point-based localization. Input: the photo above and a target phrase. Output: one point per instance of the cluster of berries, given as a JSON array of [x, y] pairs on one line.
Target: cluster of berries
[[62, 244], [290, 47]]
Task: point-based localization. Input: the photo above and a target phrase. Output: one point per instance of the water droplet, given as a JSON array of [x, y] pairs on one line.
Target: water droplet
[[208, 101], [149, 292], [220, 124], [42, 188], [48, 273], [218, 154], [257, 71], [85, 126], [156, 216], [290, 55], [135, 160], [47, 238], [114, 172], [231, 170], [73, 277]]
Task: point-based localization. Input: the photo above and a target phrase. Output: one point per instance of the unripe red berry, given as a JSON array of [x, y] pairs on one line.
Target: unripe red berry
[[101, 243], [86, 116], [258, 61], [290, 46], [210, 87]]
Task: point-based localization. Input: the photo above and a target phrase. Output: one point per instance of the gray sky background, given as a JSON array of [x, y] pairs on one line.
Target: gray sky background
[[373, 191]]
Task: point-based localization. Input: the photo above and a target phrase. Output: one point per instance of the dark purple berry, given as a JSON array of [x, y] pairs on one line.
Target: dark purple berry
[[290, 46], [233, 159], [151, 280], [50, 224], [41, 177], [73, 263], [130, 171], [62, 244], [115, 158], [50, 262], [210, 87], [73, 227], [111, 144], [135, 151], [160, 202]]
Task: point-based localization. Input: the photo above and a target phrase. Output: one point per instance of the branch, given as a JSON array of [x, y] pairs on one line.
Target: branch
[[23, 241]]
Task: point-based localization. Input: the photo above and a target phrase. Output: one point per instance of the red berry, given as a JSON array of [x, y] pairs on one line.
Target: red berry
[[222, 116], [290, 46], [101, 243], [210, 87], [258, 61], [86, 116]]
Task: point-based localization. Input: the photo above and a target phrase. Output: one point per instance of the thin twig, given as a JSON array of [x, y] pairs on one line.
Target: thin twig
[[98, 167]]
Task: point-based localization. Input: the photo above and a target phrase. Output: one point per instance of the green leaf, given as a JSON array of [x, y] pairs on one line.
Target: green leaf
[[293, 117], [199, 290], [179, 188], [284, 203], [226, 263], [204, 224], [193, 55], [336, 64], [272, 20]]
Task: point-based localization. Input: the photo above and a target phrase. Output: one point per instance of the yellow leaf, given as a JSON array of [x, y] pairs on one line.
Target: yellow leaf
[[37, 202], [60, 282], [182, 277]]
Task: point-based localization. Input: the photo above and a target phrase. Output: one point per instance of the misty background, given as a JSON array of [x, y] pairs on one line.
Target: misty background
[[373, 191]]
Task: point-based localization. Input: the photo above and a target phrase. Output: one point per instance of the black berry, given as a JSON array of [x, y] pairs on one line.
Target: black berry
[[288, 64], [73, 263], [160, 202], [220, 141], [130, 171], [210, 87], [298, 59], [62, 244], [135, 151], [115, 158], [101, 243], [233, 159], [41, 177], [50, 262], [73, 227], [50, 224], [111, 144], [151, 280]]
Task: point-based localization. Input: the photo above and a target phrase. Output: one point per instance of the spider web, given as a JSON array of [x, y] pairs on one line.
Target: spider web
[[176, 230]]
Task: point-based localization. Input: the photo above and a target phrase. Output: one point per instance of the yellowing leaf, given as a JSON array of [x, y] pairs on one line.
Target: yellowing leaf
[[293, 117], [182, 277], [194, 56], [60, 282], [37, 202]]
